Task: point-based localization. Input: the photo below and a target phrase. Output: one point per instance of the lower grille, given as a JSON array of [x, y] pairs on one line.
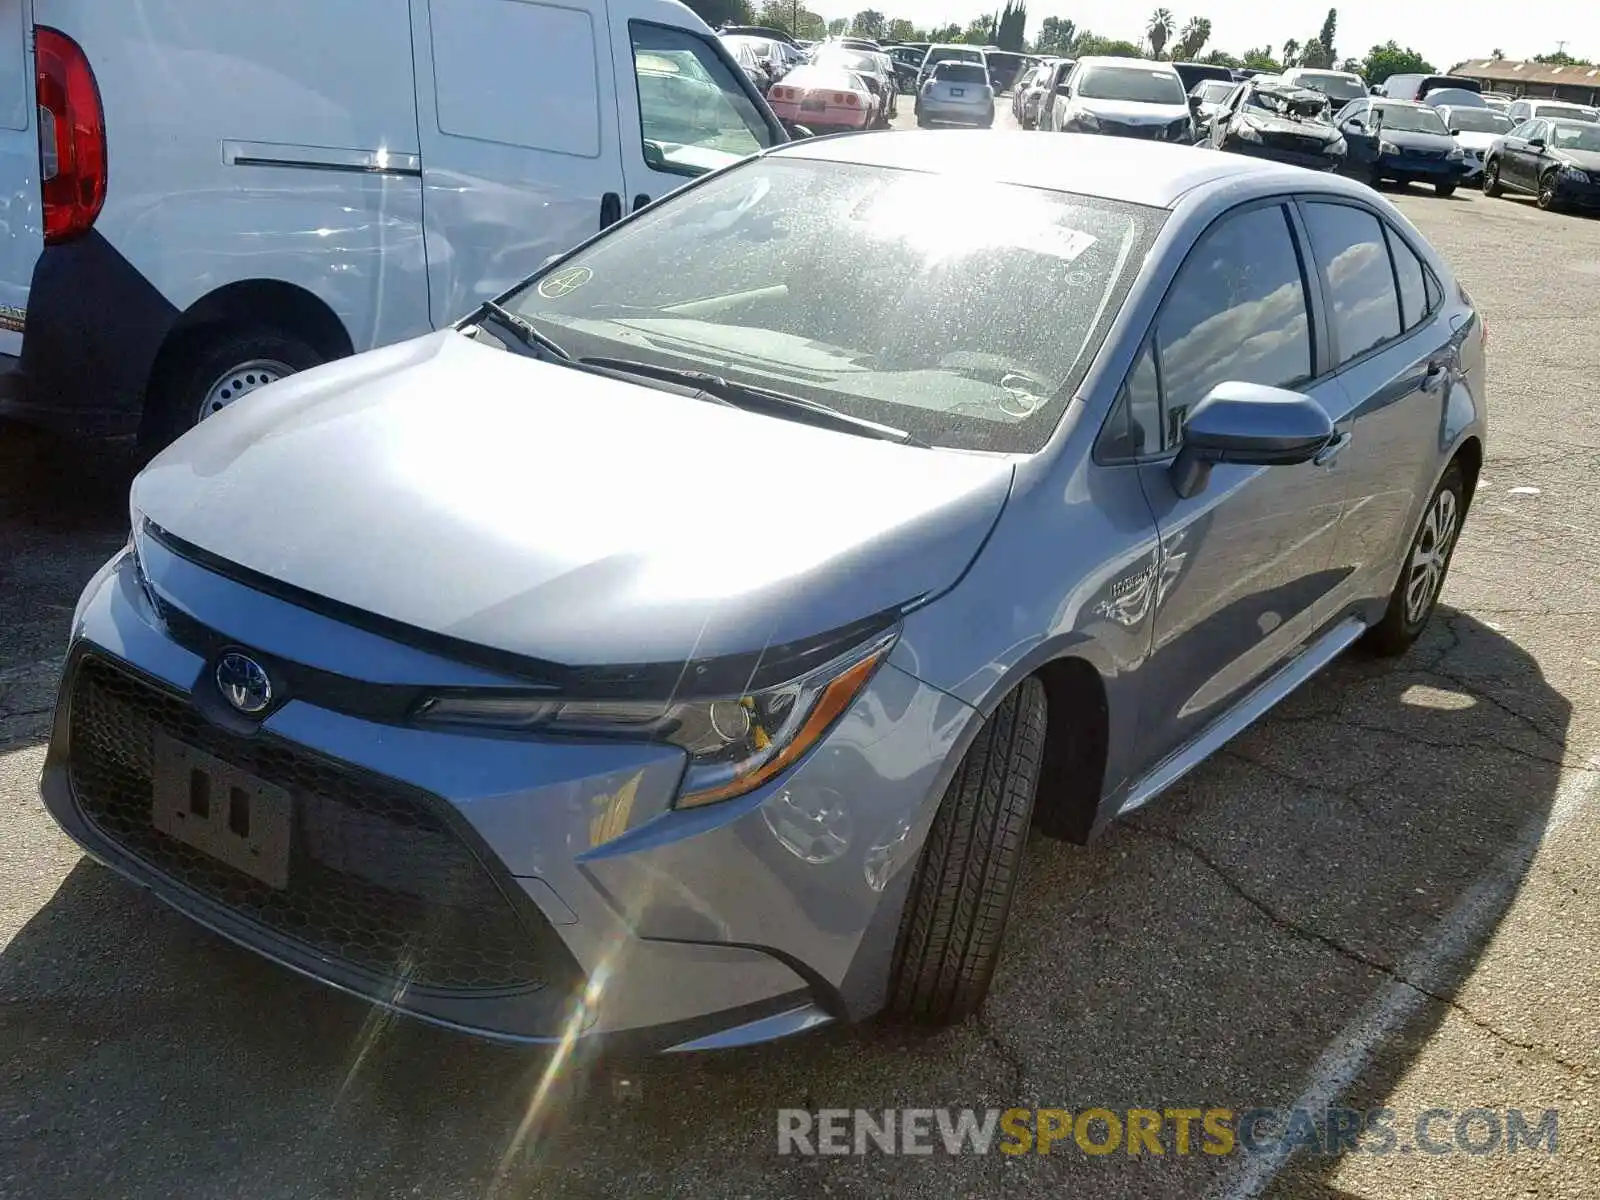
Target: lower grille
[[378, 878]]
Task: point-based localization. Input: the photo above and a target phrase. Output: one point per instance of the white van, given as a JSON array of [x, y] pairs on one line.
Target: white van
[[201, 196]]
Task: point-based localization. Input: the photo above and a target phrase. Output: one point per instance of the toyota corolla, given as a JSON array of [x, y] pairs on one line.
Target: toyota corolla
[[682, 645]]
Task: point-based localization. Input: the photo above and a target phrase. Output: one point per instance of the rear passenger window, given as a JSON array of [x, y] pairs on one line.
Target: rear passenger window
[[1416, 297], [1349, 245], [1236, 313]]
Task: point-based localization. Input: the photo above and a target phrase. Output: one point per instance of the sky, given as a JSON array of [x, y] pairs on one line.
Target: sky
[[1443, 33]]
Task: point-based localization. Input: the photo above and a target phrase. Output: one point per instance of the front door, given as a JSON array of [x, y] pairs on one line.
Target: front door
[[1246, 572], [682, 108], [518, 132], [1518, 159], [19, 168]]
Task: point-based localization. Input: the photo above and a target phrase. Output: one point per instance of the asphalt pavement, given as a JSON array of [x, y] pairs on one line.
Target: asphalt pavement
[[1382, 896]]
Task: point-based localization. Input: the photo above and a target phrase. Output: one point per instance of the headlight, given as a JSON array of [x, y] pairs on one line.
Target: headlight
[[1574, 174], [1078, 119], [1180, 129], [1455, 155], [735, 744], [1338, 145], [1388, 148], [1247, 132]]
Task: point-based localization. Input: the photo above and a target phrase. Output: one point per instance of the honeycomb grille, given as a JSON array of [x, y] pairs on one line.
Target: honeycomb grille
[[377, 877]]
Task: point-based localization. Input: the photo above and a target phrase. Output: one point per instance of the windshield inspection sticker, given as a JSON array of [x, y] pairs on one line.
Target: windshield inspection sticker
[[564, 283]]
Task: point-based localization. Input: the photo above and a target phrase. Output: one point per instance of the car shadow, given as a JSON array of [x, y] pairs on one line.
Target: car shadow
[[1203, 953]]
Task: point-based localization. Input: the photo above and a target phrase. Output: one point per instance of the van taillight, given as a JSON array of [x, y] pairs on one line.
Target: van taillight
[[72, 136]]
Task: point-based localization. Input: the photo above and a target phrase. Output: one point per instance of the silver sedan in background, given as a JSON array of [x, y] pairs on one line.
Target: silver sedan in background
[[681, 646]]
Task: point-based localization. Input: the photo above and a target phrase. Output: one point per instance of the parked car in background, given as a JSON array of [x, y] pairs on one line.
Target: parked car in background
[[776, 58], [1499, 101], [1475, 131], [1207, 99], [826, 100], [1124, 97], [548, 780], [1557, 161], [768, 33], [1193, 74], [907, 65], [873, 68], [1029, 94], [1340, 87], [754, 69], [1454, 98], [1526, 109], [1274, 119], [950, 53], [312, 179], [1053, 95], [1402, 140], [1417, 87], [1006, 67], [956, 93]]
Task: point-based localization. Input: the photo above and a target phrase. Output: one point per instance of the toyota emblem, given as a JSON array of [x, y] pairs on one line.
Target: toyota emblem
[[244, 683]]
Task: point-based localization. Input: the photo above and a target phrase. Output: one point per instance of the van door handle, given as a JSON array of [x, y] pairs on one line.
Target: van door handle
[[610, 209], [640, 201], [1333, 449]]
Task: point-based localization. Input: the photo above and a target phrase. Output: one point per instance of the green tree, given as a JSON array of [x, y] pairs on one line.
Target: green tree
[[1092, 43], [1560, 58], [1160, 30], [943, 33], [717, 13], [1497, 53], [837, 26], [1391, 59], [1220, 58], [1011, 30], [1055, 37], [868, 23], [1196, 33], [1260, 59], [1291, 53], [902, 30], [1314, 54], [1327, 34], [1352, 64]]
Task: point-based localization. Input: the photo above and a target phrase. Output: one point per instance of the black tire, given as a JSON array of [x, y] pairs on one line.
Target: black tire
[[955, 916], [1546, 198], [173, 406], [1403, 621], [922, 121], [1444, 189], [1491, 180], [1375, 178]]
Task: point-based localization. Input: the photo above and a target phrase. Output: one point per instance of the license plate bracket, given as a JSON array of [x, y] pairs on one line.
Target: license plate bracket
[[958, 91], [812, 105], [222, 811]]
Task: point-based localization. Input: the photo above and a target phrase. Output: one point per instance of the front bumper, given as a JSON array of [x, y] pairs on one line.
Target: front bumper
[[1311, 159], [505, 886], [1573, 194], [1431, 170]]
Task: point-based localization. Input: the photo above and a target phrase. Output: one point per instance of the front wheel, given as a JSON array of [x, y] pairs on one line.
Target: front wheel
[[1546, 198], [1444, 189], [955, 914], [215, 373], [1416, 592], [1491, 181]]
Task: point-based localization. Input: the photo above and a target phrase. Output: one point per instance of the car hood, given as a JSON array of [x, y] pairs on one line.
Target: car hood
[[1585, 160], [1267, 123], [1133, 112], [1477, 141], [1408, 139], [523, 506]]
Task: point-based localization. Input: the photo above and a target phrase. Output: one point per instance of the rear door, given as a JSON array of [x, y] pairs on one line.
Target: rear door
[[19, 171], [518, 133], [681, 110], [1518, 159]]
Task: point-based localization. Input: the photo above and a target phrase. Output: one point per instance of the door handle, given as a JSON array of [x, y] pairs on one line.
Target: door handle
[[1434, 375], [640, 201], [1326, 456], [610, 209]]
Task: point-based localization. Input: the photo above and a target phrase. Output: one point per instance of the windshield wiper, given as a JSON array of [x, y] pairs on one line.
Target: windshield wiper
[[502, 322], [759, 399]]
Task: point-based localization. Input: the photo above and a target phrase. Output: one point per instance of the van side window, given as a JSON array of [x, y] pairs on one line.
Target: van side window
[[555, 107], [694, 115]]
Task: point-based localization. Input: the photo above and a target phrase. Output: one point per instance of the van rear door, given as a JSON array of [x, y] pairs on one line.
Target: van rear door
[[683, 106], [19, 172], [518, 131]]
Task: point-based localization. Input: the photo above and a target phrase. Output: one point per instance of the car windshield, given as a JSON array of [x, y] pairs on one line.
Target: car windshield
[[1134, 84], [1562, 111], [848, 60], [1574, 135], [953, 72], [1476, 120], [867, 289], [1339, 88], [954, 54], [1213, 91], [1406, 118], [1284, 100]]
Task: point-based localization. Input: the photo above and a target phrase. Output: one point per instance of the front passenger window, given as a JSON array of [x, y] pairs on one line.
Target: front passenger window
[[694, 115], [1236, 313]]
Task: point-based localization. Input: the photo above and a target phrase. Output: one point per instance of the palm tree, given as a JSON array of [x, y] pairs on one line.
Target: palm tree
[[1290, 49], [1159, 31], [1497, 53]]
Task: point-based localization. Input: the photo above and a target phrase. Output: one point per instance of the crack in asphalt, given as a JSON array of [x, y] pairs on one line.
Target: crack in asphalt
[[1007, 1053], [1316, 937]]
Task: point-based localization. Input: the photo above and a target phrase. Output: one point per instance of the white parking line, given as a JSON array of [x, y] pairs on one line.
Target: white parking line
[[1352, 1052]]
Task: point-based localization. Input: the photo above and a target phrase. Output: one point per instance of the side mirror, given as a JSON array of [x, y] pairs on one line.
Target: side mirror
[[1536, 143], [1194, 104], [1455, 133], [1251, 425], [1354, 124], [799, 131]]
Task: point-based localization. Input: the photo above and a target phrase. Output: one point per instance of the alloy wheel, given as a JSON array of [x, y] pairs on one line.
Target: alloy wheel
[[1547, 192], [1430, 555]]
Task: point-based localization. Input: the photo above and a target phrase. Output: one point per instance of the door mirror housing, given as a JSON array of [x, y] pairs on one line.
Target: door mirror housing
[[1354, 124], [1535, 143], [798, 131], [1455, 133], [1250, 425]]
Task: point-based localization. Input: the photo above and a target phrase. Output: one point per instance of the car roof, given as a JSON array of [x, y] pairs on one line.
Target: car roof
[[1128, 169], [1391, 102], [1111, 60]]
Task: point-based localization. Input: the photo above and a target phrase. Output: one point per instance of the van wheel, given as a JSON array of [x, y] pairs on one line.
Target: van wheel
[[217, 372], [955, 914]]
